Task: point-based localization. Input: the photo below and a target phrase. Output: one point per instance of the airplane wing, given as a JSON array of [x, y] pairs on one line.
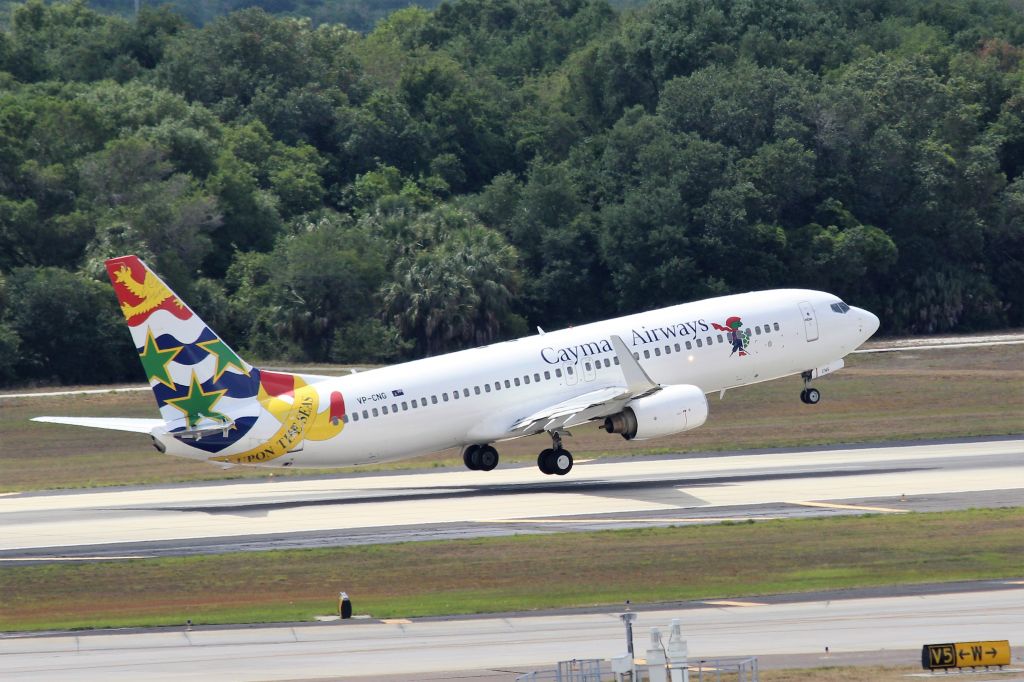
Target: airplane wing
[[110, 423], [575, 411], [599, 403]]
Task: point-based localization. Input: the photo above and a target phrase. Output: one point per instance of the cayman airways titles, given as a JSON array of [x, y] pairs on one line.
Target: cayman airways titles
[[573, 354]]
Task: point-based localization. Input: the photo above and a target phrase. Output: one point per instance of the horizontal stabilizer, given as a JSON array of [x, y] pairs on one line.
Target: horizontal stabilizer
[[198, 434], [110, 423]]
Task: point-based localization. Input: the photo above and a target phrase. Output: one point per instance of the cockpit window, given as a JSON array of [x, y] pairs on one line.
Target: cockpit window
[[840, 307]]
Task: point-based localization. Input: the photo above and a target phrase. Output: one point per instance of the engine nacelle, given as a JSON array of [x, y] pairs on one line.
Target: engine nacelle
[[673, 409]]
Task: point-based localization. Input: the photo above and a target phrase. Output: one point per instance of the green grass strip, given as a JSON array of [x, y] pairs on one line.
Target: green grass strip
[[520, 573]]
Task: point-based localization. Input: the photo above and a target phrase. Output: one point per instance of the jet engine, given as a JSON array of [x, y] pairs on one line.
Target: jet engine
[[673, 409]]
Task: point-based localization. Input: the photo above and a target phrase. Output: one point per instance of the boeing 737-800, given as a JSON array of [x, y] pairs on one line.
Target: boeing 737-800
[[640, 376]]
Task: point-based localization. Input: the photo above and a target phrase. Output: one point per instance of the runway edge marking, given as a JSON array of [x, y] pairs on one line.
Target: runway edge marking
[[855, 507]]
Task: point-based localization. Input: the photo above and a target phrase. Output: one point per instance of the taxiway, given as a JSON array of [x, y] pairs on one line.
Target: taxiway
[[861, 629]]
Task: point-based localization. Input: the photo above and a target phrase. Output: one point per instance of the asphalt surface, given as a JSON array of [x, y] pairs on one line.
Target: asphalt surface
[[104, 524]]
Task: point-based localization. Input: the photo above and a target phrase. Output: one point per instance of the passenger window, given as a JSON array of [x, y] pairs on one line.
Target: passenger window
[[344, 419], [536, 376], [587, 365], [516, 380], [366, 415], [678, 349], [526, 378], [433, 400], [558, 373], [487, 388], [636, 356], [375, 412], [355, 416], [709, 341], [616, 359], [699, 344], [384, 409], [508, 384], [657, 351], [547, 375], [497, 385], [608, 364], [476, 389], [748, 331], [465, 393], [415, 404], [776, 326], [569, 370], [720, 339], [455, 394], [405, 406], [444, 396], [668, 349]]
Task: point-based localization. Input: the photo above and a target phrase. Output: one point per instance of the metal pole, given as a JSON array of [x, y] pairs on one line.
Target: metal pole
[[628, 619]]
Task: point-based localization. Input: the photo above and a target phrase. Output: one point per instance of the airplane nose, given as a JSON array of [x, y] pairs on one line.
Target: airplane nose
[[869, 322]]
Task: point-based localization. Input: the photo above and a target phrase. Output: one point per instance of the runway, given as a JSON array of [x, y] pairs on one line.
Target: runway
[[861, 630], [115, 523]]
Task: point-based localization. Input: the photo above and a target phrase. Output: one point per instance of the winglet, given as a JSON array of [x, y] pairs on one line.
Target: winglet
[[637, 381]]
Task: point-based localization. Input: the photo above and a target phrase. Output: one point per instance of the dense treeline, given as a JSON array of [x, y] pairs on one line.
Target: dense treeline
[[457, 176], [359, 15]]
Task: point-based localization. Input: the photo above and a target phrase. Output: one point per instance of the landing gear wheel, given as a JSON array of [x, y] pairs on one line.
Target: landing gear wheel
[[488, 457], [809, 396], [545, 461], [470, 454], [561, 462]]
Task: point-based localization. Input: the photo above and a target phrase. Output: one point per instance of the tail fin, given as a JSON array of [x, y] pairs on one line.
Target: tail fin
[[201, 385]]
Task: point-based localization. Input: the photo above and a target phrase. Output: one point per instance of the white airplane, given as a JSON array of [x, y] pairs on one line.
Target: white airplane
[[641, 376]]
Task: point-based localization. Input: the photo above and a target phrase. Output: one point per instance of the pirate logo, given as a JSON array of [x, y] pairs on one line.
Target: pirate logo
[[734, 330]]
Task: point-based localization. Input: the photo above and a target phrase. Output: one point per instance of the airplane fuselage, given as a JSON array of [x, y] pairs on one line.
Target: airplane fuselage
[[473, 396]]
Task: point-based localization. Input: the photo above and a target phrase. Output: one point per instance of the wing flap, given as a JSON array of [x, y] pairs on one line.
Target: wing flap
[[110, 423], [568, 411]]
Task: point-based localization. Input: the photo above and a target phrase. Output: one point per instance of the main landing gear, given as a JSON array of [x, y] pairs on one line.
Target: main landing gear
[[809, 396], [556, 459], [480, 457]]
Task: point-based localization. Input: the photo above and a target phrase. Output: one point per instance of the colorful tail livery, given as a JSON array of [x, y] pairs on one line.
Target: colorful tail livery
[[214, 404], [641, 376]]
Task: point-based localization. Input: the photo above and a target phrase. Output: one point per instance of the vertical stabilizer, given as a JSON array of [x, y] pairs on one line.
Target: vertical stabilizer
[[201, 385]]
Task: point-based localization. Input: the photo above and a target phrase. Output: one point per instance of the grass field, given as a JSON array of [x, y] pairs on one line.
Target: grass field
[[501, 574], [878, 397]]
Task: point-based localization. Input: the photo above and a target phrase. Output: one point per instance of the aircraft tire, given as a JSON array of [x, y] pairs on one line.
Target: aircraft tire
[[813, 396], [544, 461], [803, 396], [468, 455], [488, 457], [561, 462]]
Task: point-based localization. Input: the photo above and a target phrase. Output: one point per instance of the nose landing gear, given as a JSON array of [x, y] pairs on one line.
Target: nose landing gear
[[809, 396]]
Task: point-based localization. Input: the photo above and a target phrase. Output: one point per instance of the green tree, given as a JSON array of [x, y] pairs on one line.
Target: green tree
[[70, 328], [142, 207], [456, 291], [315, 283]]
